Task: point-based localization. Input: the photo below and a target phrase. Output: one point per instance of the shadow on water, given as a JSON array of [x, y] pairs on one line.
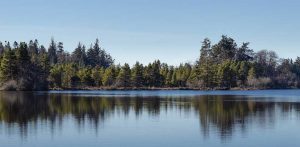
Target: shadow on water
[[223, 114]]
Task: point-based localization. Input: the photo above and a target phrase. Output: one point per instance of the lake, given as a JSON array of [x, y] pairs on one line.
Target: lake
[[150, 118]]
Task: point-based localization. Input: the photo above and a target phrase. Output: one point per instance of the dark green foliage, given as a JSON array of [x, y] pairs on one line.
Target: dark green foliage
[[79, 55], [225, 49], [137, 77], [52, 52], [61, 55], [1, 48], [8, 66], [109, 76], [223, 65], [124, 77], [98, 57], [25, 68]]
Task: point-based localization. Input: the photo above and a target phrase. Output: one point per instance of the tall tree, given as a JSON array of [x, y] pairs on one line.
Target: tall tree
[[60, 53], [109, 76], [224, 50], [79, 55], [1, 49], [137, 75], [8, 66], [25, 68], [244, 53], [124, 77], [52, 52]]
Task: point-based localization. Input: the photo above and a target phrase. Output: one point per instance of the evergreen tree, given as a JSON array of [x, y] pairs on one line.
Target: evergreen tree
[[169, 76], [97, 75], [84, 74], [69, 78], [52, 52], [25, 68], [55, 76], [224, 50], [243, 73], [79, 55], [8, 66], [1, 49], [124, 77], [33, 51], [137, 75], [60, 53], [251, 78], [109, 76], [244, 53]]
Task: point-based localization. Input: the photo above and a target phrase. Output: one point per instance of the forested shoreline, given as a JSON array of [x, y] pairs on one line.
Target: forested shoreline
[[223, 65]]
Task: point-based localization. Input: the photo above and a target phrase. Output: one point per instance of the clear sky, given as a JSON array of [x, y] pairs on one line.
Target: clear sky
[[145, 30]]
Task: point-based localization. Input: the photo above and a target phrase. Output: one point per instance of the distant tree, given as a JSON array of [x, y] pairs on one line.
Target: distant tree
[[244, 53], [25, 68], [55, 76], [69, 77], [224, 50], [79, 55], [109, 76], [205, 70], [52, 52], [33, 49], [98, 56], [60, 53], [7, 45], [137, 77], [8, 66], [285, 76], [169, 77], [84, 74], [97, 75], [243, 72], [266, 62], [226, 75], [1, 49], [124, 76]]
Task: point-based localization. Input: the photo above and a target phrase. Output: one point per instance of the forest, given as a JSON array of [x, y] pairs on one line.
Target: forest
[[223, 65]]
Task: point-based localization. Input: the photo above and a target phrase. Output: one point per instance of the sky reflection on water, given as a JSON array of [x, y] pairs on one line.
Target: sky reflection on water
[[164, 119]]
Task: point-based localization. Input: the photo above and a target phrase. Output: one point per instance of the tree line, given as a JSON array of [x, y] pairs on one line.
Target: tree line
[[224, 65]]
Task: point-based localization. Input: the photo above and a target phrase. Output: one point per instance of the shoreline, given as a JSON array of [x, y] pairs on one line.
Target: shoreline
[[163, 88], [153, 89]]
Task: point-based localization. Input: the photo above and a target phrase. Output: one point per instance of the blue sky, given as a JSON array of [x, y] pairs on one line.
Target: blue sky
[[145, 30]]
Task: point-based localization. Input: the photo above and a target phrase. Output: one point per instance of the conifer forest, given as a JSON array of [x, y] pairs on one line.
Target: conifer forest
[[223, 65]]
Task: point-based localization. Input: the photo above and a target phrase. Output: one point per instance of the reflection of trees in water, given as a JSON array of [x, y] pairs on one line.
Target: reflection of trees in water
[[224, 113]]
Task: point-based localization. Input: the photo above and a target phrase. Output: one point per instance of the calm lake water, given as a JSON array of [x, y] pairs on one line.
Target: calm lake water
[[150, 118]]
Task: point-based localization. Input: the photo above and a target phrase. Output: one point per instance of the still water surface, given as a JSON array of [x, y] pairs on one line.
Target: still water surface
[[150, 118]]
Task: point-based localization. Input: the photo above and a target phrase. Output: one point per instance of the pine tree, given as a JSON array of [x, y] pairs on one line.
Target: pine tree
[[203, 70], [97, 74], [123, 79], [25, 68], [52, 52], [109, 76], [60, 53], [169, 77], [243, 72], [42, 72], [97, 56], [251, 78], [79, 55], [1, 49], [8, 66], [33, 51], [55, 76], [137, 75], [93, 54]]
